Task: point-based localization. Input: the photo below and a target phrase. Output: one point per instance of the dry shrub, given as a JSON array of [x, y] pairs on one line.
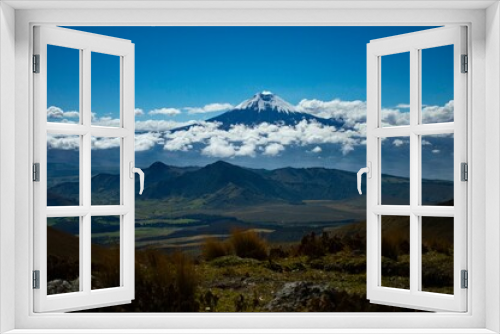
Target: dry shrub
[[312, 246], [354, 242], [186, 282], [248, 244], [213, 248], [316, 247], [395, 244], [163, 283], [278, 253], [59, 267], [105, 267], [440, 246]]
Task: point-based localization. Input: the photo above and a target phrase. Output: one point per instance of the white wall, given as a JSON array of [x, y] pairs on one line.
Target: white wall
[[7, 161], [492, 150]]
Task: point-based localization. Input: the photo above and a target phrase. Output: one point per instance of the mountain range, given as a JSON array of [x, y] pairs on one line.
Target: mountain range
[[222, 184]]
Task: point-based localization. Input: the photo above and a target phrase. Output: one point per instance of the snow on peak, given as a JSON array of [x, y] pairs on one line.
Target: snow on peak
[[267, 100]]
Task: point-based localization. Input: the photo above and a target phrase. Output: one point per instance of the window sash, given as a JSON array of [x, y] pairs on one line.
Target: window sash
[[86, 297], [413, 43]]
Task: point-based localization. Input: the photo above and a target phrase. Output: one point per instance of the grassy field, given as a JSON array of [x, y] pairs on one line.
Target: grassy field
[[174, 209], [242, 272]]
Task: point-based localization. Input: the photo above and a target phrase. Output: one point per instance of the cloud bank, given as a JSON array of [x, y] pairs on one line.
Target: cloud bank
[[251, 141]]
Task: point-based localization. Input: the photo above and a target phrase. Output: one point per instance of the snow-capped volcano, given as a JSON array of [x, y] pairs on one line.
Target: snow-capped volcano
[[267, 100], [269, 108]]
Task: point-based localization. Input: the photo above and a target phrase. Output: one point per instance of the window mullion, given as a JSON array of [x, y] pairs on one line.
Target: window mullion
[[86, 166], [414, 170]]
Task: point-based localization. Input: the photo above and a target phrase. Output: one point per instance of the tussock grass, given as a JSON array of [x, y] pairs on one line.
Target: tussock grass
[[214, 248], [248, 244], [242, 243]]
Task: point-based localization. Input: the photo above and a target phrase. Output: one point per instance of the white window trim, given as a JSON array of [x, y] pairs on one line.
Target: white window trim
[[484, 102]]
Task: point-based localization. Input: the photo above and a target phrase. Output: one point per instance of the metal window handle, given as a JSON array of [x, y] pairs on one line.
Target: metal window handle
[[139, 171], [368, 171]]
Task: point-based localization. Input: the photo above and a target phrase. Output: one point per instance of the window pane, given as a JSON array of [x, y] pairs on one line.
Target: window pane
[[63, 170], [63, 84], [395, 89], [63, 255], [105, 90], [395, 169], [437, 169], [395, 251], [105, 158], [105, 252], [437, 254], [437, 84]]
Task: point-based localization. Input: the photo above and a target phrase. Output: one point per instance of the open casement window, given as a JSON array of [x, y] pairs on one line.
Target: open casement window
[[68, 229], [419, 219]]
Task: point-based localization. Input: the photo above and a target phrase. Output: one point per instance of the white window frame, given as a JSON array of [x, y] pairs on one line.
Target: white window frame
[[414, 43], [86, 44], [484, 47]]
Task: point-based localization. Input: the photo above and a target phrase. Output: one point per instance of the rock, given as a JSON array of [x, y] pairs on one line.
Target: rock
[[232, 260], [230, 284], [58, 286], [274, 266], [297, 266], [302, 296]]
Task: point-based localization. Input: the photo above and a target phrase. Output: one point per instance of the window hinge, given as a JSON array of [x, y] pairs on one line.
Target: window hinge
[[465, 64], [464, 171], [36, 279], [464, 279], [36, 172], [36, 63]]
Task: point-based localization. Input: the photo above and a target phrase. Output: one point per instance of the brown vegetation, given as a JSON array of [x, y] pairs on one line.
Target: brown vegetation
[[243, 274], [243, 243], [213, 248], [248, 244]]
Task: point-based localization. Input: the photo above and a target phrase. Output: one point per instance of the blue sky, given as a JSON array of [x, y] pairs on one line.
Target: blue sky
[[179, 67]]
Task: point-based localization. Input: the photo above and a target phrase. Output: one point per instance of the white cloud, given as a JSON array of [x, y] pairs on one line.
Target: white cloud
[[398, 142], [146, 141], [246, 150], [273, 149], [219, 148], [104, 143], [138, 112], [160, 125], [351, 112], [317, 149], [438, 114], [213, 107], [394, 117], [246, 140], [62, 142], [56, 113], [106, 121], [354, 112], [436, 151], [264, 138], [426, 142], [165, 111]]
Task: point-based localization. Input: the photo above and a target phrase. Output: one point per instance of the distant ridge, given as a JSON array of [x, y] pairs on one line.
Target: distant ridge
[[222, 184]]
